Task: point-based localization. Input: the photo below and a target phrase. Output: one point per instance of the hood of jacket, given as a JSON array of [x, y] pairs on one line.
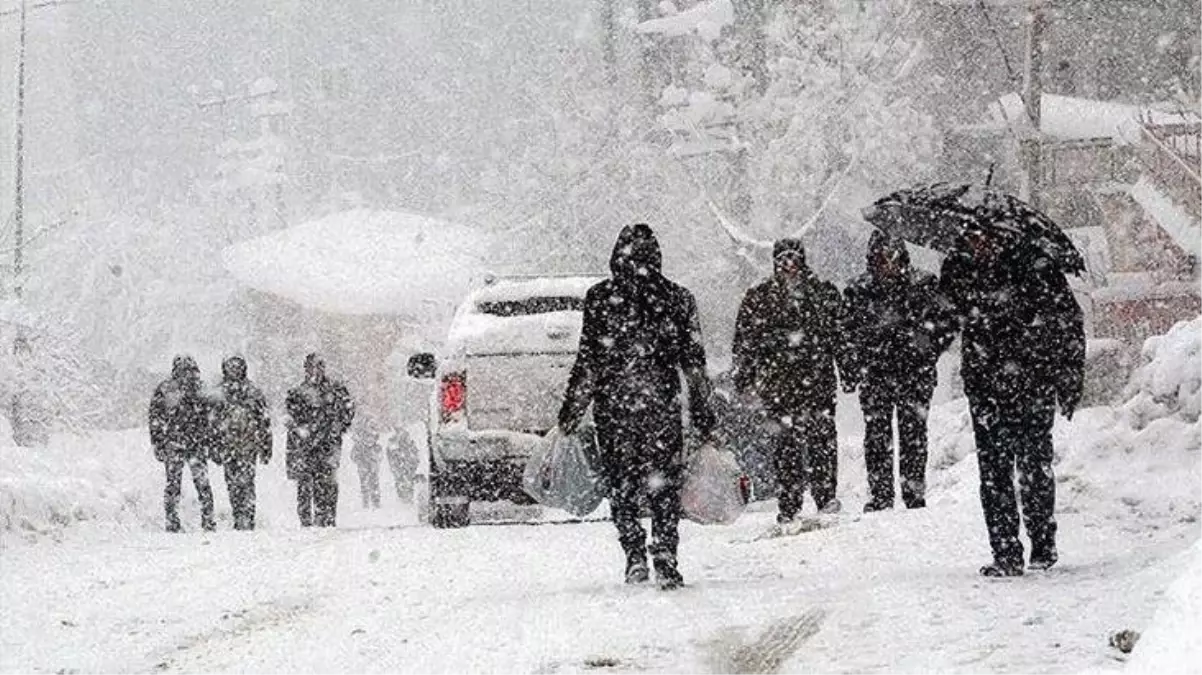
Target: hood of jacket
[[636, 255]]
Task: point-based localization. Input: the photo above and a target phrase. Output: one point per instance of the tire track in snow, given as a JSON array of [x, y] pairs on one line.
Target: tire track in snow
[[770, 650]]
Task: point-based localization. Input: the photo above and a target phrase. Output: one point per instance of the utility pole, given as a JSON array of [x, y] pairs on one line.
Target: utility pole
[[609, 37], [22, 13], [19, 197], [1032, 97]]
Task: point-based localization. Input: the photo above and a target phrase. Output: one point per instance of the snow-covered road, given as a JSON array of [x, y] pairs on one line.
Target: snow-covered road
[[889, 592]]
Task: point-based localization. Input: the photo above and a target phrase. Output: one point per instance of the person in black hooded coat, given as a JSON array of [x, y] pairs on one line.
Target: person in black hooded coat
[[181, 434], [897, 327], [1023, 354], [788, 343], [320, 410], [640, 332], [243, 425]]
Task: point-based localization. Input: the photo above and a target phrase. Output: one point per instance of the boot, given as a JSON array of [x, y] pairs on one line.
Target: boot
[[667, 574], [1000, 569], [877, 505], [833, 506], [636, 568], [1043, 557]]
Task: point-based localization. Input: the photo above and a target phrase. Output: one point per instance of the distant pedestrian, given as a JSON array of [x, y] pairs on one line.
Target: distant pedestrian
[[181, 435], [897, 327], [243, 426], [788, 349], [641, 333], [402, 462], [1023, 355], [320, 411], [367, 455]]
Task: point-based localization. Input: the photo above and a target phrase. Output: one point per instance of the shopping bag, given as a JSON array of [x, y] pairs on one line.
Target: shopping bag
[[560, 473], [715, 490]]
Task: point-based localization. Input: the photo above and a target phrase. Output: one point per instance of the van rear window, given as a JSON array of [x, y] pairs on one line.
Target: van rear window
[[528, 306]]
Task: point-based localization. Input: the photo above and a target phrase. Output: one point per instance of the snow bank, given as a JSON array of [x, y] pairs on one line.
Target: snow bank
[[76, 479], [1169, 382], [364, 262], [109, 481], [1172, 643]]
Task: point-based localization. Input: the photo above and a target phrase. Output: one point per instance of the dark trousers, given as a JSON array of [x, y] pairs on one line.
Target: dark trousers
[[369, 483], [880, 400], [641, 453], [204, 492], [662, 489], [317, 497], [1016, 435], [806, 454], [240, 481]]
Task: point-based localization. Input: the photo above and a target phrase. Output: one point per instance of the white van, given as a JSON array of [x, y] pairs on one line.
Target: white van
[[500, 382]]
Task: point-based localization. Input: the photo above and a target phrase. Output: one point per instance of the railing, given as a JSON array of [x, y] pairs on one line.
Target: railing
[[1170, 154]]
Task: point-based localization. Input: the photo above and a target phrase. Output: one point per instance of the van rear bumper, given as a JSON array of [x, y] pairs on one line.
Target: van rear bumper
[[484, 446]]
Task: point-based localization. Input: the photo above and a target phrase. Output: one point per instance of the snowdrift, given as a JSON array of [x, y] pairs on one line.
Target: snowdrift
[[1172, 643], [110, 481]]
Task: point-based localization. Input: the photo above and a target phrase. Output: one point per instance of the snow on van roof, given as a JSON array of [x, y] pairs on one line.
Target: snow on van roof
[[519, 288], [364, 262]]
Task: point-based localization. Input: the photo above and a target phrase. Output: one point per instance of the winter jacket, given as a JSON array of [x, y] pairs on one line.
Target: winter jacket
[[640, 332], [788, 340], [320, 411], [896, 325], [179, 415], [241, 418], [1023, 331]]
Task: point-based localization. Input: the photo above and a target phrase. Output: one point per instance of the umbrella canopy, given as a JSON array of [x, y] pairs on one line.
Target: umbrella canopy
[[936, 216]]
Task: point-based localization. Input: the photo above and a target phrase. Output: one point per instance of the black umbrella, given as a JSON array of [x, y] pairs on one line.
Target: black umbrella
[[936, 216]]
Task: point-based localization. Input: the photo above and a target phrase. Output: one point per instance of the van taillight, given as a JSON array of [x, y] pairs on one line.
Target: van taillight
[[452, 394]]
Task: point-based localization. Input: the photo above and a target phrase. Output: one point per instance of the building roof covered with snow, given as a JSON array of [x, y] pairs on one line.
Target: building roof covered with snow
[[1067, 118], [364, 262]]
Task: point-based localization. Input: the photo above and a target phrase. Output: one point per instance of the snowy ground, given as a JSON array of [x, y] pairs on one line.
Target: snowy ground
[[893, 592], [896, 592]]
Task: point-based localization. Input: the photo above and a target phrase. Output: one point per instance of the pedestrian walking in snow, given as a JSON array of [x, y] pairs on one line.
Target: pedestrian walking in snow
[[367, 455], [1023, 354], [243, 437], [788, 347], [640, 332], [181, 435], [402, 462], [320, 411], [897, 328]]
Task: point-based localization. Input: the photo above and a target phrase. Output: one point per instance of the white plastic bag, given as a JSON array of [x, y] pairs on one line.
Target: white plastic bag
[[715, 490], [560, 475]]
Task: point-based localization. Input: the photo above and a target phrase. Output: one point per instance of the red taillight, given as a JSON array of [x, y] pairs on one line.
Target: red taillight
[[452, 394]]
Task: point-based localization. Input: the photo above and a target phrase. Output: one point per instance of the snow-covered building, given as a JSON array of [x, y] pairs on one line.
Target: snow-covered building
[[362, 287], [1123, 180]]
